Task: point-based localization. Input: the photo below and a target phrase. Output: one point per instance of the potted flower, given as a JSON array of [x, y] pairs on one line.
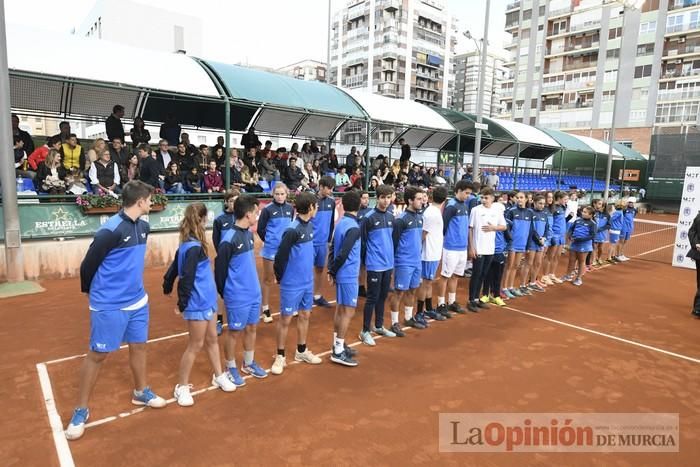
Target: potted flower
[[158, 200], [101, 203]]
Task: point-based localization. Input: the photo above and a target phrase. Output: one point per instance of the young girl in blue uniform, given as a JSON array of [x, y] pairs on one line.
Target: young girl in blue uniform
[[628, 214], [537, 242], [519, 222], [196, 292], [600, 242], [544, 279], [581, 233], [558, 238], [614, 235], [223, 223]]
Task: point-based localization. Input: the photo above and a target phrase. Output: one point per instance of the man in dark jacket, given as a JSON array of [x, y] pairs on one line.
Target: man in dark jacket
[[119, 154], [293, 175], [113, 124], [25, 136], [149, 171], [405, 151], [694, 254], [250, 139]]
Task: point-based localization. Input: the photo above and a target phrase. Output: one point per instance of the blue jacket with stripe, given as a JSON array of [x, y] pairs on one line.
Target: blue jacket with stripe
[[602, 220], [540, 226], [112, 271], [616, 221], [559, 226], [408, 239], [344, 257], [582, 231], [234, 268], [376, 230], [196, 290], [628, 215], [519, 222], [324, 221], [455, 225], [222, 224], [294, 261], [273, 221]]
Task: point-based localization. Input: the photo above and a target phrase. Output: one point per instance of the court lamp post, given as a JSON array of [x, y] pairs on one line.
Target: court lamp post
[[626, 5], [480, 91]]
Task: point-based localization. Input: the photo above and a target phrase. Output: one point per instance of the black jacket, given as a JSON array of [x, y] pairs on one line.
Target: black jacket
[[694, 239], [114, 128], [43, 171], [149, 171], [27, 140]]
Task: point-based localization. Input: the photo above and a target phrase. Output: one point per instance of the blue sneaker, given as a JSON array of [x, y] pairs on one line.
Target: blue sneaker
[[432, 314], [322, 302], [148, 398], [343, 359], [422, 319], [76, 427], [253, 370], [219, 328], [236, 377]]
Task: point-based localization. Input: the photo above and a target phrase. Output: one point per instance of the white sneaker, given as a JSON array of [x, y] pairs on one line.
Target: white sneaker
[[278, 365], [296, 313], [307, 357], [183, 396], [623, 258], [223, 382], [266, 319]]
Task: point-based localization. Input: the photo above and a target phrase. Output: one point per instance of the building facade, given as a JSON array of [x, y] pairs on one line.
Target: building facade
[[396, 48], [308, 70], [466, 70], [141, 25]]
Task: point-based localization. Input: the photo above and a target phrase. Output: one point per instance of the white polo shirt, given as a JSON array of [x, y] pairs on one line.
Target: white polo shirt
[[485, 242], [432, 224]]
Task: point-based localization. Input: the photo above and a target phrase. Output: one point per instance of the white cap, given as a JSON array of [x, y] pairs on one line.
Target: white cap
[[631, 199]]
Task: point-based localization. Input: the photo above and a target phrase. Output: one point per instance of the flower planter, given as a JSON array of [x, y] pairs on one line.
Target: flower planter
[[105, 210], [157, 207]]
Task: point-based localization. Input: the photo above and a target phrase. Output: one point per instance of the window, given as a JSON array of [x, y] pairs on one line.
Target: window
[[612, 53], [527, 15], [674, 23], [610, 75], [645, 49], [541, 12], [519, 105], [694, 23], [647, 27], [540, 27], [608, 96], [650, 5], [614, 33], [642, 71]]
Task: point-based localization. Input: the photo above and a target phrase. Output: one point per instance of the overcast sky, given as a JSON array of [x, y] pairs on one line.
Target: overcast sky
[[271, 33]]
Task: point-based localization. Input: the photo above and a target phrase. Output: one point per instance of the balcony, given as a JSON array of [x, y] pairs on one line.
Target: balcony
[[513, 5], [588, 25], [671, 54], [670, 74], [579, 65], [426, 75], [354, 81], [677, 28], [391, 5], [678, 94], [578, 84], [388, 89], [425, 86], [558, 87], [672, 5], [560, 12], [506, 93]]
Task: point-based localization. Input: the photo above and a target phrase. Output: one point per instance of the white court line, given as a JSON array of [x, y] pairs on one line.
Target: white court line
[[212, 387], [654, 250], [653, 232], [65, 458], [609, 336]]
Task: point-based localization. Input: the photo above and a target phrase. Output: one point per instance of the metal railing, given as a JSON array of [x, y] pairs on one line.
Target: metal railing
[[678, 95]]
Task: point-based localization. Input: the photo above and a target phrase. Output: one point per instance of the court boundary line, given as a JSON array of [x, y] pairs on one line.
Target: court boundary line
[[603, 334], [65, 456]]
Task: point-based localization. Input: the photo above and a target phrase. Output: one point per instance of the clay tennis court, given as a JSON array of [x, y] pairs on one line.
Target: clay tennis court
[[624, 342]]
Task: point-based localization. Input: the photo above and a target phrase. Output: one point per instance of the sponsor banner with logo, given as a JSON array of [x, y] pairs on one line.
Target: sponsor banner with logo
[[690, 206], [558, 432]]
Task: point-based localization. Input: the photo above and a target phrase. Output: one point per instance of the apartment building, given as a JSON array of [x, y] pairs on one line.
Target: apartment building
[[565, 57], [396, 48], [466, 90], [308, 70]]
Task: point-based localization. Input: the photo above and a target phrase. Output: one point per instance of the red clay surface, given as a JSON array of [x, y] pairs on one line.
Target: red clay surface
[[386, 410]]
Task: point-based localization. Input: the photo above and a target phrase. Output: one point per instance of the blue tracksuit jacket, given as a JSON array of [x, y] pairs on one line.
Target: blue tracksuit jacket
[[344, 257], [234, 268], [408, 239], [455, 225], [376, 230], [295, 257], [274, 220], [196, 290]]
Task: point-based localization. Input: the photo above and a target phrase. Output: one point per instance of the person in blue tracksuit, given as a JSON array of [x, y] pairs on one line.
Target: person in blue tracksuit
[[544, 269], [343, 271], [581, 233], [558, 237], [274, 220], [519, 221], [377, 252], [628, 215], [600, 242], [616, 221], [294, 271], [196, 293], [112, 275], [364, 209], [454, 249], [407, 238], [222, 224], [238, 285], [541, 230], [323, 223]]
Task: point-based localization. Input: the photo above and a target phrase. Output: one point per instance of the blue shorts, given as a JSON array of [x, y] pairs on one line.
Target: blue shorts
[[532, 246], [406, 277], [614, 238], [268, 252], [601, 237], [346, 294], [108, 329], [206, 315], [517, 249], [320, 255], [429, 269], [556, 240], [581, 247], [295, 300], [625, 235], [240, 316]]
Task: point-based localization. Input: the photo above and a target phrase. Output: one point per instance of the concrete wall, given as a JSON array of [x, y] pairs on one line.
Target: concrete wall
[[50, 259]]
